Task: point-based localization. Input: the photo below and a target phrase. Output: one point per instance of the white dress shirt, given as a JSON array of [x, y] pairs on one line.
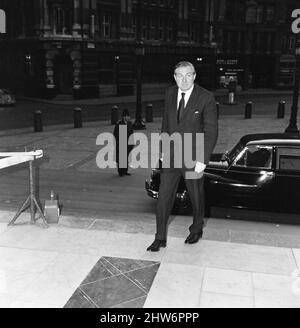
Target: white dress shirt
[[186, 96]]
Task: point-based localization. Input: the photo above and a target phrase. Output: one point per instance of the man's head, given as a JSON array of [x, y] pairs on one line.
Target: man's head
[[184, 75], [126, 114]]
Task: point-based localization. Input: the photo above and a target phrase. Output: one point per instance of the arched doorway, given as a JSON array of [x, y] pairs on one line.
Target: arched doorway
[[63, 74]]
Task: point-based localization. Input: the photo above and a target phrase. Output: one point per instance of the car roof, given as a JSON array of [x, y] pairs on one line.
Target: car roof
[[271, 138], [275, 142]]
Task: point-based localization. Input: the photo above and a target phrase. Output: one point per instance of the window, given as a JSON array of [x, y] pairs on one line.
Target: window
[[152, 28], [170, 3], [106, 25], [134, 25], [251, 14], [255, 156], [284, 44], [194, 5], [145, 29], [260, 14], [193, 29], [161, 29], [232, 9], [2, 21], [270, 13], [170, 34], [291, 43], [288, 159], [61, 20], [92, 25]]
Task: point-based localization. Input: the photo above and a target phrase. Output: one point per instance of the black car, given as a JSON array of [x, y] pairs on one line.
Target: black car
[[262, 172]]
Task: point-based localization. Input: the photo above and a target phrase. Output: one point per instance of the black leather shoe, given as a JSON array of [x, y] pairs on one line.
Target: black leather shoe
[[127, 173], [155, 246], [194, 237]]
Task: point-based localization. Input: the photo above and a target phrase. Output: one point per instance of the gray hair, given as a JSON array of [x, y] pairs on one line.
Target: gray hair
[[184, 64]]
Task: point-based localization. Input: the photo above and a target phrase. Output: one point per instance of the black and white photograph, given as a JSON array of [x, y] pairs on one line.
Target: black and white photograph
[[149, 157]]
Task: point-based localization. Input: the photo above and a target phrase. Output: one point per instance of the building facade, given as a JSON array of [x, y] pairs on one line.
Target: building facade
[[255, 43], [89, 48]]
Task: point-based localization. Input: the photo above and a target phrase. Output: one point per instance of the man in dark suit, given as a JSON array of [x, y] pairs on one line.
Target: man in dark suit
[[189, 108]]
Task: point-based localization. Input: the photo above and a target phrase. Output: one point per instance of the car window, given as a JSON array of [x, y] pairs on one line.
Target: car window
[[255, 156], [288, 158], [236, 150]]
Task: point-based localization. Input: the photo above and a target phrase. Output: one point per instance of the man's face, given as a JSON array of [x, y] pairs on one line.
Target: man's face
[[185, 77]]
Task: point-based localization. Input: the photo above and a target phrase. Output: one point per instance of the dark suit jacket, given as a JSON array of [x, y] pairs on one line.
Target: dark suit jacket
[[116, 135], [199, 116]]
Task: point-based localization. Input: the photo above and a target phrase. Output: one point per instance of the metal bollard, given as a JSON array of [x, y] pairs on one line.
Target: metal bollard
[[114, 115], [218, 109], [77, 117], [149, 113], [248, 109], [281, 109], [37, 121]]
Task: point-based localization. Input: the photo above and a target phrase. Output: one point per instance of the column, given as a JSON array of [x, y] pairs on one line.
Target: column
[[94, 12], [76, 26], [46, 17], [86, 18], [38, 17], [182, 34]]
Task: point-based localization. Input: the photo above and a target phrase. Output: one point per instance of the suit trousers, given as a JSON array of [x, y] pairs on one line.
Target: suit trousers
[[169, 181]]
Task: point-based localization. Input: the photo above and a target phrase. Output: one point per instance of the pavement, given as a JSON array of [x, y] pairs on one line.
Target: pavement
[[100, 260], [149, 97]]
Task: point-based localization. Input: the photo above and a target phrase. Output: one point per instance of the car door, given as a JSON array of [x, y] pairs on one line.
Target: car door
[[247, 183], [287, 179]]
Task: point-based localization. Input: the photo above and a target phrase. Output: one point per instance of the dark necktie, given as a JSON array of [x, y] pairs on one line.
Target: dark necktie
[[180, 107]]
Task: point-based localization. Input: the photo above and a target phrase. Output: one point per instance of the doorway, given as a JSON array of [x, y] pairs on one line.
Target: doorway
[[63, 74]]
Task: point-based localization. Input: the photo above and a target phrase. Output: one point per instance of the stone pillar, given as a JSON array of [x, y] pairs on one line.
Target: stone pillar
[[76, 26], [209, 33], [94, 13], [46, 17], [182, 34], [38, 17], [86, 18]]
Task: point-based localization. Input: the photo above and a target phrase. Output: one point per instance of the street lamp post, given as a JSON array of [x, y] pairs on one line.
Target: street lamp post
[[292, 128], [139, 52]]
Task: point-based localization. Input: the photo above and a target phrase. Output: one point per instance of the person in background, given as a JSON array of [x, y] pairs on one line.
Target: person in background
[[125, 120]]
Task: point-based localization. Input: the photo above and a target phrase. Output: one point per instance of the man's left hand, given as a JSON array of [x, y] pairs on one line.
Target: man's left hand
[[200, 167]]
